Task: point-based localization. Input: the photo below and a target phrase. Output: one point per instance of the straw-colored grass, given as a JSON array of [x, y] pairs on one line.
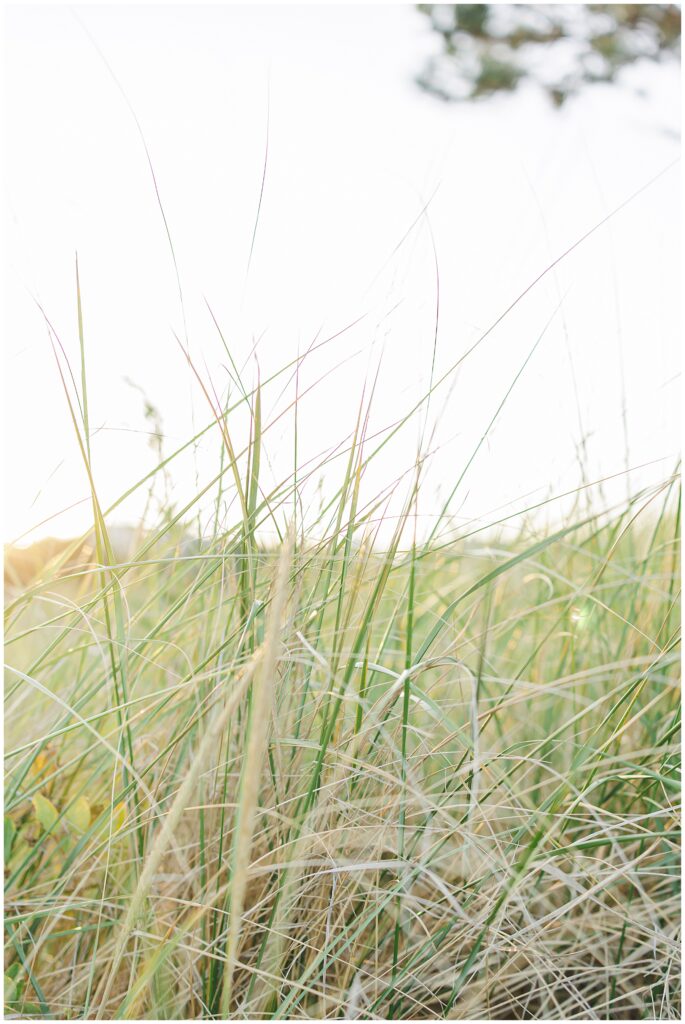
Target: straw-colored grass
[[433, 778]]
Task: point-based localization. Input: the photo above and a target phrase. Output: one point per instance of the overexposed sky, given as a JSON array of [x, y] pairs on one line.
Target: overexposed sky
[[356, 151]]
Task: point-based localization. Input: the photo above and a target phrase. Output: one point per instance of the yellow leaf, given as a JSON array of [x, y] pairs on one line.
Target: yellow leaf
[[46, 812], [115, 821], [20, 851], [119, 817], [78, 814], [43, 763]]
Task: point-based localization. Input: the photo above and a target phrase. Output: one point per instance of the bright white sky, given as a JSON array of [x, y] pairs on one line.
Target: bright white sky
[[355, 151]]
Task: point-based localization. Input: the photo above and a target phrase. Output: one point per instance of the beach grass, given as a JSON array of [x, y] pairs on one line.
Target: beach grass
[[350, 767]]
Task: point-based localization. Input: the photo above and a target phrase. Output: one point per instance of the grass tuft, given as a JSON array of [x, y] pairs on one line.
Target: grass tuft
[[324, 763]]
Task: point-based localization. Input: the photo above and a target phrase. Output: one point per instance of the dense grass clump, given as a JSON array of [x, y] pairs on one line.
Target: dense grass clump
[[329, 777]]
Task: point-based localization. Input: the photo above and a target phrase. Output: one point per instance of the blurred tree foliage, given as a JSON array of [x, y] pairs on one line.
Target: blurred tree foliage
[[492, 48]]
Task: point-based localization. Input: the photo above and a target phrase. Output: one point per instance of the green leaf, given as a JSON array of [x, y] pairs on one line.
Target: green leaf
[[46, 812], [13, 971], [10, 832], [11, 986]]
